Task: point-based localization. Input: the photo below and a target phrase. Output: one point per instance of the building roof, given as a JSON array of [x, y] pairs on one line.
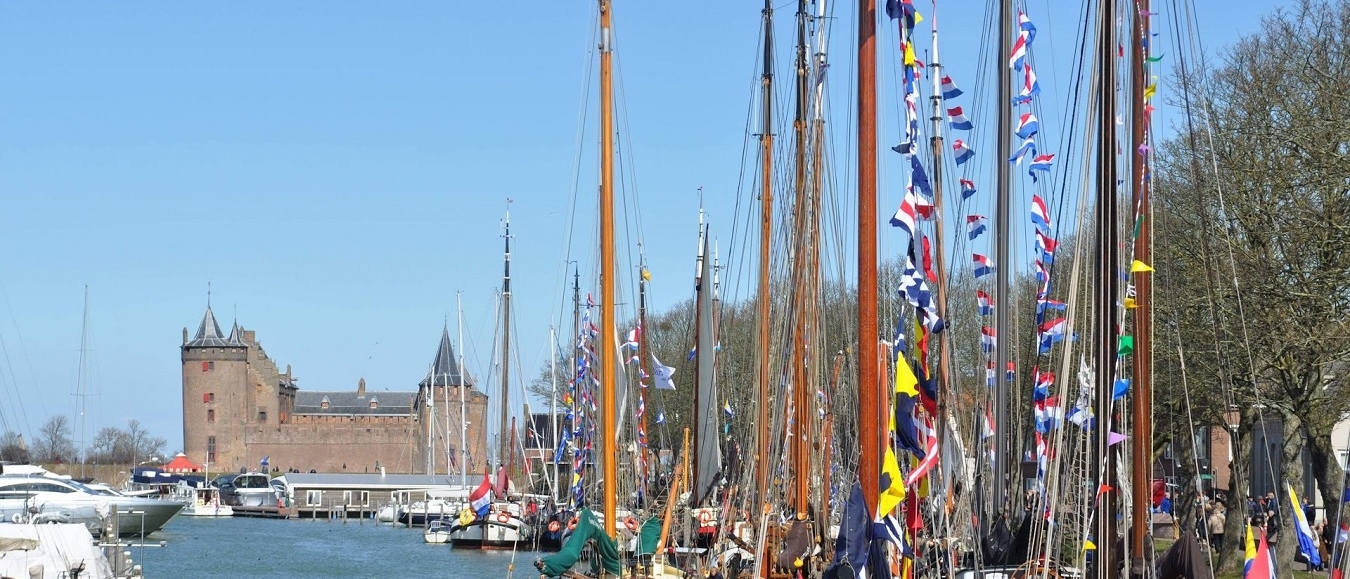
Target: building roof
[[348, 403], [371, 480], [209, 334], [445, 368]]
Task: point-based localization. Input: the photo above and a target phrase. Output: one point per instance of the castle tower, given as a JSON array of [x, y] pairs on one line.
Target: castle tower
[[215, 375], [440, 393]]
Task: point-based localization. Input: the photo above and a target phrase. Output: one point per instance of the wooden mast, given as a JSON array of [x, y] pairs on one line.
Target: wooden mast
[[504, 455], [608, 433], [1106, 276], [870, 412], [765, 233], [1141, 413], [801, 416]]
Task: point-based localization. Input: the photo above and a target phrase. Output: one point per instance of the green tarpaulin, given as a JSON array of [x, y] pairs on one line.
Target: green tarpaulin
[[648, 535], [587, 529]]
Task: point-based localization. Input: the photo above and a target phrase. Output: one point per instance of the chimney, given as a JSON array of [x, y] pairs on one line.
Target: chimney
[[184, 335], [361, 388]]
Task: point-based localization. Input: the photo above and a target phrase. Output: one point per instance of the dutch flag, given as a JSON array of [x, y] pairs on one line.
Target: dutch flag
[[1046, 245], [1019, 51], [1027, 126], [949, 90], [987, 339], [986, 303], [963, 152], [1030, 87], [967, 188], [1026, 26], [1028, 148], [959, 120], [1040, 163], [975, 225], [982, 265], [1051, 332], [1039, 214]]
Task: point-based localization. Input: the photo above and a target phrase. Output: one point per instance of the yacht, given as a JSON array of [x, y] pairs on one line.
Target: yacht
[[250, 489], [48, 498]]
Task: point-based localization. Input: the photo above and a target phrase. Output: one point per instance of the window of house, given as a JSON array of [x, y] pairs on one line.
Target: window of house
[[313, 498], [211, 415], [211, 449], [365, 498], [262, 416], [346, 497]]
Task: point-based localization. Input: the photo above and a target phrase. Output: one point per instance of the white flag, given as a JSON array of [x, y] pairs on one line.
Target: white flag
[[663, 375]]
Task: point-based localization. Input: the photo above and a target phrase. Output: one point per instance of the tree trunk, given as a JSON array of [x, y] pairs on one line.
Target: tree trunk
[[1235, 526], [1286, 545]]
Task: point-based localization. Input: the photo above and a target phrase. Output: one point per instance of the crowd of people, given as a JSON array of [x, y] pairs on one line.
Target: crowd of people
[[1264, 512]]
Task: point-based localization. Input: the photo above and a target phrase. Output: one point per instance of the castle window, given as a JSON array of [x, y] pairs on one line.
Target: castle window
[[262, 416], [211, 415], [210, 396], [205, 366], [211, 449], [211, 365]]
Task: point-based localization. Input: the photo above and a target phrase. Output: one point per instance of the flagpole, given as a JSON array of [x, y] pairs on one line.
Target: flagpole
[[1105, 268], [608, 311], [1141, 410], [1002, 203], [870, 398]]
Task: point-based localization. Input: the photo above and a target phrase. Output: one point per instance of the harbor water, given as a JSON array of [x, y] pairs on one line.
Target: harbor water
[[211, 548]]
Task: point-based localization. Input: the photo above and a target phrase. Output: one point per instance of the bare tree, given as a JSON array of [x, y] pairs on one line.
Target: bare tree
[[54, 443]]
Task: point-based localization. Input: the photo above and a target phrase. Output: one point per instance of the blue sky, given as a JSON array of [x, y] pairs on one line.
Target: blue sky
[[337, 171]]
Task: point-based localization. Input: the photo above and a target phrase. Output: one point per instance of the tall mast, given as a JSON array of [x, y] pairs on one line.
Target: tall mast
[[1105, 274], [1141, 443], [800, 415], [1002, 210], [871, 417], [642, 364], [429, 460], [944, 352], [699, 296], [463, 407], [607, 299], [576, 357], [553, 403], [506, 345], [765, 233], [82, 377]]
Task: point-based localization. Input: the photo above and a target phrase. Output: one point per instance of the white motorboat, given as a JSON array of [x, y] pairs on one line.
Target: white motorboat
[[437, 532], [251, 489], [207, 503], [50, 498], [51, 552]]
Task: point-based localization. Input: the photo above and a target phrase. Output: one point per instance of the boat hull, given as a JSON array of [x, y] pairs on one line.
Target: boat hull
[[491, 533]]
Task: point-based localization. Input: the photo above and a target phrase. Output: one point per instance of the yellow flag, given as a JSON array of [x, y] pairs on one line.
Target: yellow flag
[[905, 381], [1088, 545], [894, 492], [1130, 304], [909, 54], [1139, 267], [646, 275]]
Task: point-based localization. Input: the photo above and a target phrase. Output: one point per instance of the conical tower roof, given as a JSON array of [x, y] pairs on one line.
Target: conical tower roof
[[236, 335], [209, 334], [445, 368]]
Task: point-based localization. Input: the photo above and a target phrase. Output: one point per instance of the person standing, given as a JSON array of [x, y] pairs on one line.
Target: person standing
[[1216, 520]]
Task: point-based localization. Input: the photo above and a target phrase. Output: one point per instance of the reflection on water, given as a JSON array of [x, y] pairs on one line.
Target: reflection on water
[[210, 548]]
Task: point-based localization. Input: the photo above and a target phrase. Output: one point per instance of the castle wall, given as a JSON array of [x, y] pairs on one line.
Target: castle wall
[[342, 444], [476, 403]]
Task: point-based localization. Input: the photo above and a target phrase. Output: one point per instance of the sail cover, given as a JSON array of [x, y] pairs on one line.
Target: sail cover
[[709, 452]]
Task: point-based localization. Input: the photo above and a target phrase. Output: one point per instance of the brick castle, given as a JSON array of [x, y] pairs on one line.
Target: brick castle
[[238, 408]]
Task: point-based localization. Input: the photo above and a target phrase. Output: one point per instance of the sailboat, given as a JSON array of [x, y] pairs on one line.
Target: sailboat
[[503, 525]]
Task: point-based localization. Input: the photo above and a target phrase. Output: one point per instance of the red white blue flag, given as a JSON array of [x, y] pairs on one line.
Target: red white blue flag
[[1027, 126], [986, 303], [963, 152], [982, 265], [959, 120], [967, 188], [949, 90], [480, 500], [1039, 214], [975, 225]]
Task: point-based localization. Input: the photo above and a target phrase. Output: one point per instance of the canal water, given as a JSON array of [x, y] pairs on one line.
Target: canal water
[[211, 548]]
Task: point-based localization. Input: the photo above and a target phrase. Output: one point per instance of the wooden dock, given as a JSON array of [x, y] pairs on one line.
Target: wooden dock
[[270, 512]]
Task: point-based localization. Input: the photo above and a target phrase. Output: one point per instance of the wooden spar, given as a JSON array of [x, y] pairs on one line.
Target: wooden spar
[[642, 363], [503, 454], [699, 296], [940, 262], [1003, 230], [1141, 412], [765, 236], [1105, 298], [870, 412], [801, 416], [674, 494], [608, 432]]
